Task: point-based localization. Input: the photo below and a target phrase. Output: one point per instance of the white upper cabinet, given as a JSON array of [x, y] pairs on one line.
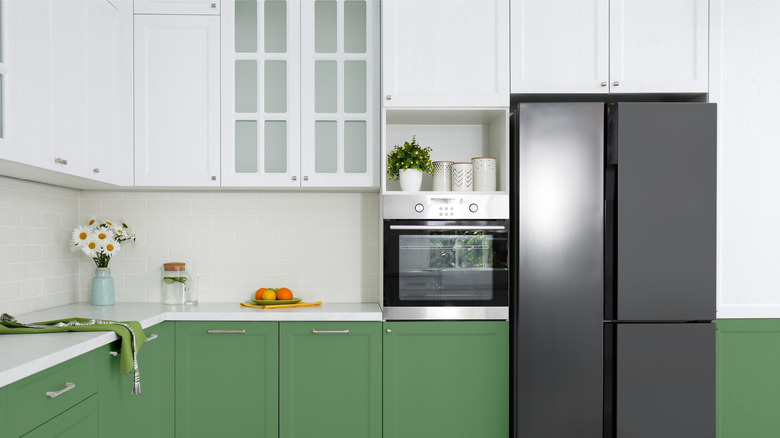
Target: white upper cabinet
[[300, 91], [177, 104], [609, 46], [452, 53], [182, 7]]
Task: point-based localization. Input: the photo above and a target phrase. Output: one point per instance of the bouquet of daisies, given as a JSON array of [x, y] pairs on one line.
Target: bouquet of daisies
[[101, 239]]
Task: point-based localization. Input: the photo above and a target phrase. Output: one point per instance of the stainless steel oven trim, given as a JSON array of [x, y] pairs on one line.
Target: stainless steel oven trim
[[445, 313], [447, 227]]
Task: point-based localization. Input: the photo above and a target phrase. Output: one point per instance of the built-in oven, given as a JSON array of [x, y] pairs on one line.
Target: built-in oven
[[446, 265]]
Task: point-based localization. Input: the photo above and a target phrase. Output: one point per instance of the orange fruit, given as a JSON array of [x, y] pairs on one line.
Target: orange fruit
[[259, 293], [268, 295], [284, 294]]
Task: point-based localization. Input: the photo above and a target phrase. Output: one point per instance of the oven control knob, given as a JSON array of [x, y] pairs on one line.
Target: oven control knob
[[419, 208], [473, 208]]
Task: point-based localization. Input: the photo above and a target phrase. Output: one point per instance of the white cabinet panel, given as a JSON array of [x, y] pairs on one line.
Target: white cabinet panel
[[199, 7], [176, 100], [658, 46], [439, 53], [560, 46]]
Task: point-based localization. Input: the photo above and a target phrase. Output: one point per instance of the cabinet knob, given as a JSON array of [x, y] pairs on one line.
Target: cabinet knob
[[616, 83], [604, 84], [213, 5], [213, 177], [388, 97], [96, 170], [295, 178], [305, 178], [389, 331], [61, 161]]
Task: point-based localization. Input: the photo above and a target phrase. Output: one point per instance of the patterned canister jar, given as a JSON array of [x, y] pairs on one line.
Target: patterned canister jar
[[462, 177], [484, 174], [442, 176]]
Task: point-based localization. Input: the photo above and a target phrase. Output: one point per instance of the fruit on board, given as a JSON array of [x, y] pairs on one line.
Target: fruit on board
[[268, 295], [259, 293], [284, 294]]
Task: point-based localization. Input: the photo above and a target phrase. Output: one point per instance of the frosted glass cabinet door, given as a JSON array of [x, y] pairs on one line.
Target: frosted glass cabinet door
[[340, 90], [261, 93], [177, 100], [445, 53], [560, 46], [189, 7]]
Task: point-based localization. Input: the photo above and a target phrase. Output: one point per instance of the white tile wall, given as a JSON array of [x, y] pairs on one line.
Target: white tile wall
[[36, 269], [323, 246]]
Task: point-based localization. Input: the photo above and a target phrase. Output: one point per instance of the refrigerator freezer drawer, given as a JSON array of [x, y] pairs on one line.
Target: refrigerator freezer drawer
[[664, 380]]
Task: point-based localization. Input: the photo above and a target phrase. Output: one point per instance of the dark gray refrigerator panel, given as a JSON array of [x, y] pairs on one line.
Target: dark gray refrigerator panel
[[664, 380], [557, 219], [665, 222]]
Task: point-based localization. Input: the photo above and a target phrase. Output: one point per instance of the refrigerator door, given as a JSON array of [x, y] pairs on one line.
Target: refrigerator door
[[664, 380], [666, 182], [557, 218]]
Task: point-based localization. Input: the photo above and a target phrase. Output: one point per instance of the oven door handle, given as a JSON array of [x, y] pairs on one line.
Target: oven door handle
[[448, 227]]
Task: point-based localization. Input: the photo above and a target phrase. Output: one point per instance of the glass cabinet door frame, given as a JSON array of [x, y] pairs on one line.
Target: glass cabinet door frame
[[291, 176]]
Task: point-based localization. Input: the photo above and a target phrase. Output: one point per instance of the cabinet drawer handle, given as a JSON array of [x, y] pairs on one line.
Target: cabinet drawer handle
[[68, 387], [235, 332], [604, 84], [330, 332], [616, 83], [114, 353], [152, 337], [61, 161]]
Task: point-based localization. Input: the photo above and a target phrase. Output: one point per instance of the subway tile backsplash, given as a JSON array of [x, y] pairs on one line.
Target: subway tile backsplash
[[322, 245]]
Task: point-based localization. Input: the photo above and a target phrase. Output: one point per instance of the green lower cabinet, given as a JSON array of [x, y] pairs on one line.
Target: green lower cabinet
[[446, 379], [748, 378], [80, 421], [3, 410], [227, 379], [124, 415], [330, 379]]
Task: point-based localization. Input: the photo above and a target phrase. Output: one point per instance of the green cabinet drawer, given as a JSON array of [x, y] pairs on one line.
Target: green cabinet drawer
[[124, 415], [42, 396], [3, 409], [747, 378], [227, 379], [80, 421], [446, 379], [330, 379]]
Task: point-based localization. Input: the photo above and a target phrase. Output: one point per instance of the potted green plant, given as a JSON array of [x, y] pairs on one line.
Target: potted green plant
[[407, 164]]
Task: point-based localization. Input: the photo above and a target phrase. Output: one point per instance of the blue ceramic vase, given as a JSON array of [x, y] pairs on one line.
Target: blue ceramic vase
[[102, 288]]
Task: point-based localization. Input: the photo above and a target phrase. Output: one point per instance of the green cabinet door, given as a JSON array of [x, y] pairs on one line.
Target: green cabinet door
[[330, 379], [3, 410], [124, 415], [227, 379], [748, 378], [80, 421], [446, 379]]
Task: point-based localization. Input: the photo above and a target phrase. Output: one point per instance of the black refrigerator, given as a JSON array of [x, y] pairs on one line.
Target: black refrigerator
[[613, 282]]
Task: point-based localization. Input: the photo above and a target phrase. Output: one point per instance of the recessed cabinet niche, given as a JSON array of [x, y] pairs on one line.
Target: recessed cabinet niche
[[609, 46], [300, 93]]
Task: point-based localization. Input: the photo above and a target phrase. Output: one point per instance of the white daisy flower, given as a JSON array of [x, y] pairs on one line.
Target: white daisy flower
[[111, 249], [103, 235], [92, 222], [80, 234], [90, 248]]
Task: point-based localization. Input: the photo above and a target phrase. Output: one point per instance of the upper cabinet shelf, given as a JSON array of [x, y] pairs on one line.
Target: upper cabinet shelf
[[445, 53], [609, 46]]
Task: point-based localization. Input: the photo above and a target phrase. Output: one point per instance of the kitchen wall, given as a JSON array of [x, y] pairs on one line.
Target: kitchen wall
[[322, 245], [37, 271]]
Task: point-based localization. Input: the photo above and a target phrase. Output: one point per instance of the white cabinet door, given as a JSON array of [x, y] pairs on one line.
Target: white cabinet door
[[176, 100], [658, 46], [197, 7], [261, 93], [452, 53], [103, 78], [560, 46], [340, 89]]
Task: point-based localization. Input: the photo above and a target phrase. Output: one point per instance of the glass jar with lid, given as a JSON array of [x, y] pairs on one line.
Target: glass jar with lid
[[176, 282]]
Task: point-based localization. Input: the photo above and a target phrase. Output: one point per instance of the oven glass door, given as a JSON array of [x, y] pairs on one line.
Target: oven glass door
[[446, 263]]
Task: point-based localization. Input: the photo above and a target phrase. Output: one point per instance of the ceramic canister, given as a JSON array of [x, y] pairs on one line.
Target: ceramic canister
[[462, 177], [484, 174], [442, 176]]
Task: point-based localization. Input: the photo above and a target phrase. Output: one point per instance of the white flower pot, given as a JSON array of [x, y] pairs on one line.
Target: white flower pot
[[411, 179]]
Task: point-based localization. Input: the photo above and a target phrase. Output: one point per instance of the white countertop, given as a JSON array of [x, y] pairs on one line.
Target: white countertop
[[24, 354]]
